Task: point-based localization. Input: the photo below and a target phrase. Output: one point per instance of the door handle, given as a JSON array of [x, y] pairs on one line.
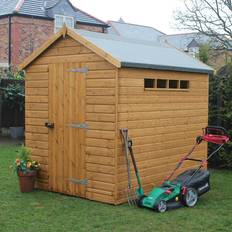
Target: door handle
[[49, 125]]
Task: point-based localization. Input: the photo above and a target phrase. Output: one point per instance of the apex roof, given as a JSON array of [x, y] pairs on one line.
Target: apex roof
[[126, 52]]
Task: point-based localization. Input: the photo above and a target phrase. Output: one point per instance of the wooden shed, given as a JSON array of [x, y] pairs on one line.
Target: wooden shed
[[89, 85]]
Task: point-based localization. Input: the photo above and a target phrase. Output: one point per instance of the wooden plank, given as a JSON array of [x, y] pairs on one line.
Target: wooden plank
[[100, 83], [36, 91], [101, 74], [99, 168], [134, 99], [37, 144], [36, 114], [99, 117], [37, 137], [141, 73], [106, 178], [100, 197], [39, 152], [36, 84], [36, 99], [37, 106], [100, 185], [36, 129], [100, 134], [100, 151], [160, 107], [66, 49], [165, 114], [108, 109], [36, 69], [106, 143], [68, 58], [100, 92], [108, 126], [35, 121], [37, 76], [100, 65], [100, 100], [102, 160]]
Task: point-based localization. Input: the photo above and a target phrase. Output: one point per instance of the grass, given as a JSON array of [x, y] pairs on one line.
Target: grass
[[42, 211]]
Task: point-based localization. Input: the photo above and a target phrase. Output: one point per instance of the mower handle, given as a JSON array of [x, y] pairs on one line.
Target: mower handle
[[221, 130]]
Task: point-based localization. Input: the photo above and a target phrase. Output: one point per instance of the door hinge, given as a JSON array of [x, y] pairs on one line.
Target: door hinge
[[79, 70], [79, 181]]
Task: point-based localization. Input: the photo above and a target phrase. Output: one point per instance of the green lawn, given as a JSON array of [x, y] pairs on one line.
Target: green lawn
[[43, 211]]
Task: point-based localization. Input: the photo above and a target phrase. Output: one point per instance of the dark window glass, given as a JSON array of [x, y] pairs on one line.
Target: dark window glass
[[173, 84], [149, 83], [161, 83], [184, 84]]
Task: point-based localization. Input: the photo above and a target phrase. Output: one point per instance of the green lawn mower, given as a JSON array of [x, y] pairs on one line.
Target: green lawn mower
[[186, 187]]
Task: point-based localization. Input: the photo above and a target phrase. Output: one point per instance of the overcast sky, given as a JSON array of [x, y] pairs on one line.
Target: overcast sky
[[155, 13]]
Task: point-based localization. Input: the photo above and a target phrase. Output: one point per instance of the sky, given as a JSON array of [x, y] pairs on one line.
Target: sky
[[155, 13]]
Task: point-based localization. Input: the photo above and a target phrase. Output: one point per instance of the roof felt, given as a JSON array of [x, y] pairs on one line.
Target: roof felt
[[47, 9], [134, 31], [144, 54]]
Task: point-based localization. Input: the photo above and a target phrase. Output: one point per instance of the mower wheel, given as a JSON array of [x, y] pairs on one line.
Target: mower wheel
[[140, 201], [162, 206], [191, 197]]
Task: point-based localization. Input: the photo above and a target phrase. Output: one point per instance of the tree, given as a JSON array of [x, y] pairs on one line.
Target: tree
[[220, 111], [212, 18], [204, 53]]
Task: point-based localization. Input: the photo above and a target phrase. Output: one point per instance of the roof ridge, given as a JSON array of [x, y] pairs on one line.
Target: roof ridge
[[139, 25], [18, 6], [186, 33]]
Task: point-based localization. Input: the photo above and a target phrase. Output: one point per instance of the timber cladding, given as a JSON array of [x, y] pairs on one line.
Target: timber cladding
[[89, 162]]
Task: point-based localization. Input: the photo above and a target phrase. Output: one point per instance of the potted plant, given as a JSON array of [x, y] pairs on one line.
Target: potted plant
[[26, 169], [13, 97]]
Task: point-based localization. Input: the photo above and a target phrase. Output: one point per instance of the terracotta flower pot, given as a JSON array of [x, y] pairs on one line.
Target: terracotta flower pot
[[27, 181]]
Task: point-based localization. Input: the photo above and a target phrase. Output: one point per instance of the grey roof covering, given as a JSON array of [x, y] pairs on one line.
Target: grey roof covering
[[48, 9], [129, 30], [145, 54]]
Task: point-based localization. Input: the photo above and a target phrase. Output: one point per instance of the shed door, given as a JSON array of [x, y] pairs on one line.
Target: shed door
[[66, 140]]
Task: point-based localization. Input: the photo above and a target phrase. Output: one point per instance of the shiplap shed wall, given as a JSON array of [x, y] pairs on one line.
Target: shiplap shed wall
[[163, 124], [100, 116]]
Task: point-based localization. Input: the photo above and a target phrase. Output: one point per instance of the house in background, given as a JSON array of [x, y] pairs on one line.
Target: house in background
[[26, 24]]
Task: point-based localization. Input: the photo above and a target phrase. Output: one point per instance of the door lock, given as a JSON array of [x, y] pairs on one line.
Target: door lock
[[49, 125]]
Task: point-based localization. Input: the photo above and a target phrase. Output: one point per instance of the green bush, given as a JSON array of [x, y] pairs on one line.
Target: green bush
[[220, 111]]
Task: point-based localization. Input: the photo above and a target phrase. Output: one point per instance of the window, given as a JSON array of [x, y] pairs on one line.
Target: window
[[165, 84], [149, 83], [184, 84], [60, 20], [161, 83], [173, 84]]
